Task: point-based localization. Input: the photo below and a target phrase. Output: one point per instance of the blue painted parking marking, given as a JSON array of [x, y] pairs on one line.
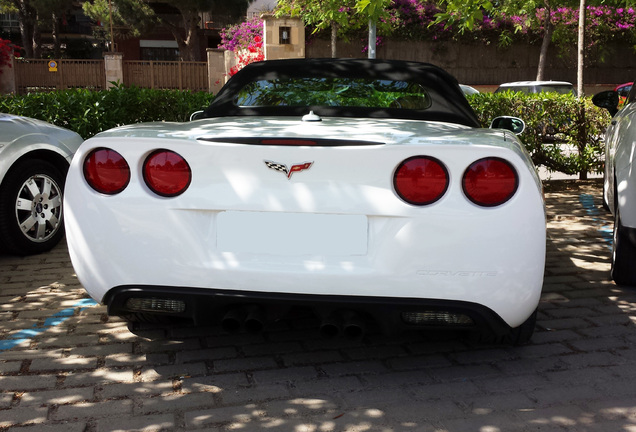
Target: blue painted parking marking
[[606, 230], [55, 319]]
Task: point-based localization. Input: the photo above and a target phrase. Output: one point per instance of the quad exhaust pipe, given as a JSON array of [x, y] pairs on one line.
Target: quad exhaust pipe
[[250, 318], [346, 323]]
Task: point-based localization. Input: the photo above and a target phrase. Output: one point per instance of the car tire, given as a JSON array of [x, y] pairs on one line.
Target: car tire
[[623, 254], [31, 207]]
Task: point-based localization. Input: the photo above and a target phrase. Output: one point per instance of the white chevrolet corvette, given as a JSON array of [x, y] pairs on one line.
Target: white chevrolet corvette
[[619, 185], [363, 192], [34, 158]]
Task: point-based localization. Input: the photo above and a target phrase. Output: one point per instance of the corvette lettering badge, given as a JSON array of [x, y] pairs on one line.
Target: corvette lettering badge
[[283, 168]]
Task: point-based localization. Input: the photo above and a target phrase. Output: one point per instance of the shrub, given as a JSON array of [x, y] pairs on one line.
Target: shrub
[[563, 133], [245, 40], [89, 112], [7, 49]]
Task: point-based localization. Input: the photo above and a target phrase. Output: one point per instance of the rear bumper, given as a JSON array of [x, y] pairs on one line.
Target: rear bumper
[[385, 314]]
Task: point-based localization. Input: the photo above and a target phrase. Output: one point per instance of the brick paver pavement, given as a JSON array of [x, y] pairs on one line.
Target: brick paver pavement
[[66, 366]]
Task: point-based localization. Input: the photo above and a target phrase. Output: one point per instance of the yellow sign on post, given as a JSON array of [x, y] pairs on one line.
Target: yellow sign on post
[[52, 66]]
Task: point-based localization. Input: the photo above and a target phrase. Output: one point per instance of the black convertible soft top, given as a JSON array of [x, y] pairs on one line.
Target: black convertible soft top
[[444, 99]]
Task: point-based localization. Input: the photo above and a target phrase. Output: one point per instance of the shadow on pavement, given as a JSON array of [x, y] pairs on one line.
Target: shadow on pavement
[[89, 372]]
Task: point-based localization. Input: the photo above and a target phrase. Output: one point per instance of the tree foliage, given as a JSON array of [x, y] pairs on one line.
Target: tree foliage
[[335, 15], [463, 14], [553, 122], [555, 21], [563, 133], [7, 49], [342, 17], [36, 16], [246, 41], [134, 17]]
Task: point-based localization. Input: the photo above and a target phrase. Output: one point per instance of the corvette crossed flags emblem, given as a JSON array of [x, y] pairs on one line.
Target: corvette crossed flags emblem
[[288, 172]]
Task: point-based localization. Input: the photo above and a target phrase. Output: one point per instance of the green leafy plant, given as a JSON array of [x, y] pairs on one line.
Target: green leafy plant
[[563, 133], [89, 112]]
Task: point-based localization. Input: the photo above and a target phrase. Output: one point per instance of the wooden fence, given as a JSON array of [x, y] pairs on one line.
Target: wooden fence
[[33, 75], [176, 75]]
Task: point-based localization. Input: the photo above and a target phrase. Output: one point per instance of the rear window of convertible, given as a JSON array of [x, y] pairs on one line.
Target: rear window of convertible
[[334, 92]]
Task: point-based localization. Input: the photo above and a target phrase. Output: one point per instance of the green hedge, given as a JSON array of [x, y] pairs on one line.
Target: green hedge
[[562, 133], [90, 112]]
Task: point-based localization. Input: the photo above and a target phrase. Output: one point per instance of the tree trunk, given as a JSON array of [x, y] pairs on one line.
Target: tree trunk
[[185, 53], [191, 24], [37, 39], [581, 50], [372, 38], [55, 33], [547, 36], [334, 39], [25, 14], [582, 139], [579, 85], [189, 46], [26, 34]]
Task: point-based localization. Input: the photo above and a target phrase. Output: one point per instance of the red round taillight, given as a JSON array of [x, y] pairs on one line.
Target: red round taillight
[[490, 182], [420, 180], [166, 173], [106, 171]]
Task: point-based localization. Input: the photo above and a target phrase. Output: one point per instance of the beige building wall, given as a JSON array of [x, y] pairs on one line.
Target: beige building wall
[[114, 66], [283, 37], [217, 71]]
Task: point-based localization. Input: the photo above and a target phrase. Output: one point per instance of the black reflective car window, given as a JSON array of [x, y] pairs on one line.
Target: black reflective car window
[[564, 89], [632, 95], [334, 92], [522, 89], [624, 91], [556, 89]]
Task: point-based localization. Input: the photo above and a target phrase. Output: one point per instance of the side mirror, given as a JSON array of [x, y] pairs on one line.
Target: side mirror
[[608, 100], [513, 124], [197, 115]]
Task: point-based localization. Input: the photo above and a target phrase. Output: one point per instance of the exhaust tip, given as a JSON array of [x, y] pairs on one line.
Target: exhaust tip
[[255, 320], [331, 326], [233, 320], [354, 325], [350, 324]]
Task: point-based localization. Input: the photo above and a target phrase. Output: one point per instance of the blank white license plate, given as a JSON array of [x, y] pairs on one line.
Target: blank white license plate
[[292, 233]]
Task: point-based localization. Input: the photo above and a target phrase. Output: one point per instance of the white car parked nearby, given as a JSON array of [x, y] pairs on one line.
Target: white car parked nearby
[[562, 87], [619, 185], [34, 159], [363, 192]]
